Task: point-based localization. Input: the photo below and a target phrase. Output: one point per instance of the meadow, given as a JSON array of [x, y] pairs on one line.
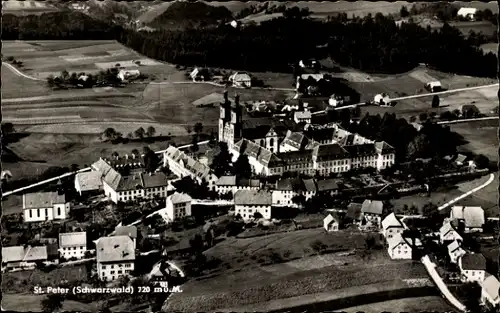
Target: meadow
[[410, 305]]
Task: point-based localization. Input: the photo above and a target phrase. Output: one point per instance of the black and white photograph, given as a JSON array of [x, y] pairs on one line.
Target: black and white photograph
[[250, 156]]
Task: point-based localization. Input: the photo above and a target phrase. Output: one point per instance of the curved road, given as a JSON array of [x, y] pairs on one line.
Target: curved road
[[19, 73], [43, 182], [468, 193]]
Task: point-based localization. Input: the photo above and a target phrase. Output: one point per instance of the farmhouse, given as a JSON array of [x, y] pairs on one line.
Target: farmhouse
[[471, 216], [241, 80], [302, 117], [490, 291], [331, 223], [249, 202], [392, 226], [309, 63], [183, 165], [460, 160], [72, 245], [372, 210], [399, 248], [115, 257], [88, 182], [22, 258], [234, 183], [45, 206], [124, 75], [130, 231], [177, 207], [286, 189], [433, 86], [467, 13], [455, 251], [448, 232], [198, 74], [329, 186], [293, 141], [472, 267]]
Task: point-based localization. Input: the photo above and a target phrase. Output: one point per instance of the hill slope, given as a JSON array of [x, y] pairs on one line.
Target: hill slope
[[181, 14]]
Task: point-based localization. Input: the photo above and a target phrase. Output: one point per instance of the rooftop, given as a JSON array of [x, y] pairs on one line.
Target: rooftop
[[89, 180], [115, 249], [253, 197], [180, 198], [473, 261], [372, 207], [73, 239], [42, 199], [130, 231]]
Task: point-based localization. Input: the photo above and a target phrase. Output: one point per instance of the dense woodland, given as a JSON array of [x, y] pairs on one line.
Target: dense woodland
[[372, 44]]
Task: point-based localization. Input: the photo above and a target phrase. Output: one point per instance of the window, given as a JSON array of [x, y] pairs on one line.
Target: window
[[119, 272], [104, 267], [112, 266], [38, 213], [112, 272], [127, 265], [59, 211], [31, 213], [103, 274]]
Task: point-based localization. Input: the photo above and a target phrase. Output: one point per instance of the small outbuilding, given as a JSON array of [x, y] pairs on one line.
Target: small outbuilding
[[331, 223]]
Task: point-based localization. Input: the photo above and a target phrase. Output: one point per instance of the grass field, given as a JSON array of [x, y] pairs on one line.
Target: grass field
[[482, 137], [490, 47], [31, 303], [17, 86], [24, 7], [410, 305]]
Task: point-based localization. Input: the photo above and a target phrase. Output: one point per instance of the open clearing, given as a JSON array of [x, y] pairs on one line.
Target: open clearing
[[23, 7], [482, 137], [490, 47], [321, 273], [31, 303], [410, 305]]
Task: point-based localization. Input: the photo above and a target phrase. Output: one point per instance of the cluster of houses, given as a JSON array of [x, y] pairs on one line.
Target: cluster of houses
[[115, 254]]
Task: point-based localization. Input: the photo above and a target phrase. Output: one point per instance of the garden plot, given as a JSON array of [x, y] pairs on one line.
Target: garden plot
[[422, 76], [128, 63]]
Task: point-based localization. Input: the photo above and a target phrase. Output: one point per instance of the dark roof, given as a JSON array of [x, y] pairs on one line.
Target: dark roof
[[253, 197], [383, 147], [310, 185], [361, 150], [157, 179], [475, 261], [319, 119], [52, 250], [256, 133], [290, 184], [293, 157], [254, 122], [320, 134], [327, 184], [330, 152]]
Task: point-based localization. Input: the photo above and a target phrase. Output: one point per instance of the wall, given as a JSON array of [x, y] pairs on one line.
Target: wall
[[247, 211]]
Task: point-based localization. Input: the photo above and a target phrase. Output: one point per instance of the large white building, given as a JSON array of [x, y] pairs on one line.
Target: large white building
[[45, 206], [448, 232], [455, 251], [472, 267], [88, 182], [183, 165], [178, 206], [115, 257], [399, 248], [22, 258], [490, 291], [471, 216], [392, 226], [467, 13], [72, 245], [248, 202]]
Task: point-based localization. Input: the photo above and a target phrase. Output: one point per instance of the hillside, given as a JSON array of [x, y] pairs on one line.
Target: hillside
[[183, 14]]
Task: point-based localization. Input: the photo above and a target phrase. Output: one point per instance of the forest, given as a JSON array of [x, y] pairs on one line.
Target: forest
[[370, 44]]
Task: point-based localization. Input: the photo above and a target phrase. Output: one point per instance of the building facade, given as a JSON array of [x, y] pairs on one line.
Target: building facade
[[115, 257], [45, 206], [72, 245], [249, 202], [178, 206]]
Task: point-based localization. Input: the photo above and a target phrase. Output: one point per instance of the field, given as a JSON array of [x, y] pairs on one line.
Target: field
[[490, 47], [23, 7], [410, 305], [31, 303], [15, 86], [482, 137]]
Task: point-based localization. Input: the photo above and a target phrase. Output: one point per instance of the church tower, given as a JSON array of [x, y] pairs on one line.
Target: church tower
[[224, 111], [237, 119]]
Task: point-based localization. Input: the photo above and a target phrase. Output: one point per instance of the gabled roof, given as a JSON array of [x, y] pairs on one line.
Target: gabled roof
[[302, 115], [310, 185], [491, 286], [461, 158], [396, 240], [42, 199], [356, 151], [327, 184], [102, 166], [329, 219], [130, 231], [330, 152], [466, 11], [472, 215], [453, 246], [115, 249], [392, 220], [372, 207], [179, 198], [226, 181], [295, 139], [383, 147], [290, 184], [89, 180], [157, 179], [240, 77], [13, 254], [446, 228], [473, 261], [73, 239], [253, 197], [316, 77], [33, 254]]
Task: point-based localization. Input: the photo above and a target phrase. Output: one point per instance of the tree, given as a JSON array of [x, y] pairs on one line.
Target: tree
[[140, 132], [198, 128], [404, 12], [481, 161], [151, 160], [50, 81], [257, 215], [64, 76], [212, 142], [209, 237], [194, 144], [52, 303], [115, 154], [299, 200], [196, 244], [150, 131], [135, 152], [221, 164], [422, 117], [419, 147], [242, 167], [74, 167], [109, 133], [435, 101]]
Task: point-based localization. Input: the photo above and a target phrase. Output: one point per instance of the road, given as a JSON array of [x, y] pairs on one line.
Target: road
[[19, 73], [469, 120], [418, 96], [468, 193], [43, 182]]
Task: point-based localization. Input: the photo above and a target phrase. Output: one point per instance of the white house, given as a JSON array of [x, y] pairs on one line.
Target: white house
[[88, 182], [448, 232], [399, 248], [285, 190], [331, 223], [471, 216], [22, 258], [241, 80], [433, 86], [248, 202], [302, 117], [490, 290], [468, 13], [381, 99], [45, 206], [128, 74], [178, 206], [372, 211], [115, 257], [392, 226], [72, 245], [233, 183], [455, 251], [472, 267]]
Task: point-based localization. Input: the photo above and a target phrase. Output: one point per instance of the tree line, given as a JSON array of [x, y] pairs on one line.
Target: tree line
[[275, 44]]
